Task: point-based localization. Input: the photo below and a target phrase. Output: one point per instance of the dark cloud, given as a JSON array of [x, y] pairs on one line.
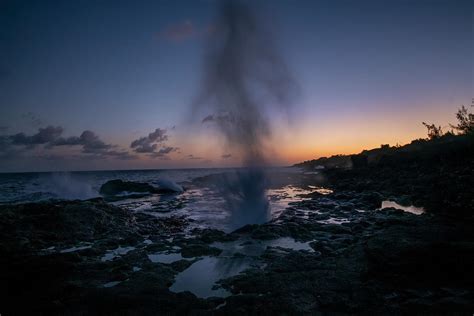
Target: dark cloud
[[226, 156], [44, 136], [154, 144], [92, 144], [149, 144], [167, 150], [3, 129], [94, 148]]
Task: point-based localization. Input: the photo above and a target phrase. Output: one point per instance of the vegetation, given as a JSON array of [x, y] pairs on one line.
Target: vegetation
[[465, 121], [433, 131], [436, 172], [464, 126], [422, 147]]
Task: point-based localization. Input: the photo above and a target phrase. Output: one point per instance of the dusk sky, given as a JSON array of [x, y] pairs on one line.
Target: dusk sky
[[88, 85]]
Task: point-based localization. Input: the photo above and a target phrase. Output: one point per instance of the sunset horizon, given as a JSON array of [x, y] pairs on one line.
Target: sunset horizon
[[140, 72]]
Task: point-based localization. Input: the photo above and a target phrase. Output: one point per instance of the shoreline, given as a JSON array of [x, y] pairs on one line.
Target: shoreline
[[382, 260]]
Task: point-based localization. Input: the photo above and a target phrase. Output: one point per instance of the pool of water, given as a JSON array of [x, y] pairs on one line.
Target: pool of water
[[410, 209], [202, 276], [208, 209], [166, 257], [119, 251]]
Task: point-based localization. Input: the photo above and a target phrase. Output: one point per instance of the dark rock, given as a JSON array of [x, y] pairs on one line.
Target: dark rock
[[114, 187], [196, 250]]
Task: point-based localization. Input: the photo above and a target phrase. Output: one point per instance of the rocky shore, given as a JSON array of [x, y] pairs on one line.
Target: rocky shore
[[331, 252]]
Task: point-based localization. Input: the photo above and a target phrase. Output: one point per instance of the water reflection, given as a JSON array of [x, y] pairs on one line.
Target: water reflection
[[166, 257], [201, 277], [410, 209], [207, 208]]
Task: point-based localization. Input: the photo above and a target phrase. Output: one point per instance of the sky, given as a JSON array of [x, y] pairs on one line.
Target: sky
[[93, 85]]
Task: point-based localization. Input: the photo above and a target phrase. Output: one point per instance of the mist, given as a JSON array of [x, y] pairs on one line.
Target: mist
[[245, 81]]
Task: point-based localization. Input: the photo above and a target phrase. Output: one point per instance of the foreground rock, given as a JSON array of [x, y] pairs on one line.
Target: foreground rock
[[88, 257], [71, 257]]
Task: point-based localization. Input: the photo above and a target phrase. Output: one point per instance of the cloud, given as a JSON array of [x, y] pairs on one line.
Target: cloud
[[44, 136], [167, 150], [154, 145], [3, 129], [12, 146], [92, 144], [50, 137], [149, 144], [226, 156]]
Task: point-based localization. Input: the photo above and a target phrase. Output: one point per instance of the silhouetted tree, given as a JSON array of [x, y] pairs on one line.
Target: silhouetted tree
[[465, 121], [433, 131]]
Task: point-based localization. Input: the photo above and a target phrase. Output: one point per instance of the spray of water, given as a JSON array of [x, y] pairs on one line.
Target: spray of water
[[245, 81]]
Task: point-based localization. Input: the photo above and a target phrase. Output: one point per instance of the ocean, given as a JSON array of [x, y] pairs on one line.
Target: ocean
[[203, 204]]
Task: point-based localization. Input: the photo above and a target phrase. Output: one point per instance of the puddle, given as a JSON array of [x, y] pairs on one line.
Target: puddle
[[201, 276], [410, 209], [335, 221], [111, 284], [120, 251], [289, 243], [166, 257], [281, 198], [320, 190], [255, 248], [305, 214], [75, 248]]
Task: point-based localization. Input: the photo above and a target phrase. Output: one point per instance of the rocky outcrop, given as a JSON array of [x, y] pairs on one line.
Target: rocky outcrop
[[117, 187], [89, 257]]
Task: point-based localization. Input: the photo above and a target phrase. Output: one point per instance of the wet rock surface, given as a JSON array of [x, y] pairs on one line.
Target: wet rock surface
[[331, 253]]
